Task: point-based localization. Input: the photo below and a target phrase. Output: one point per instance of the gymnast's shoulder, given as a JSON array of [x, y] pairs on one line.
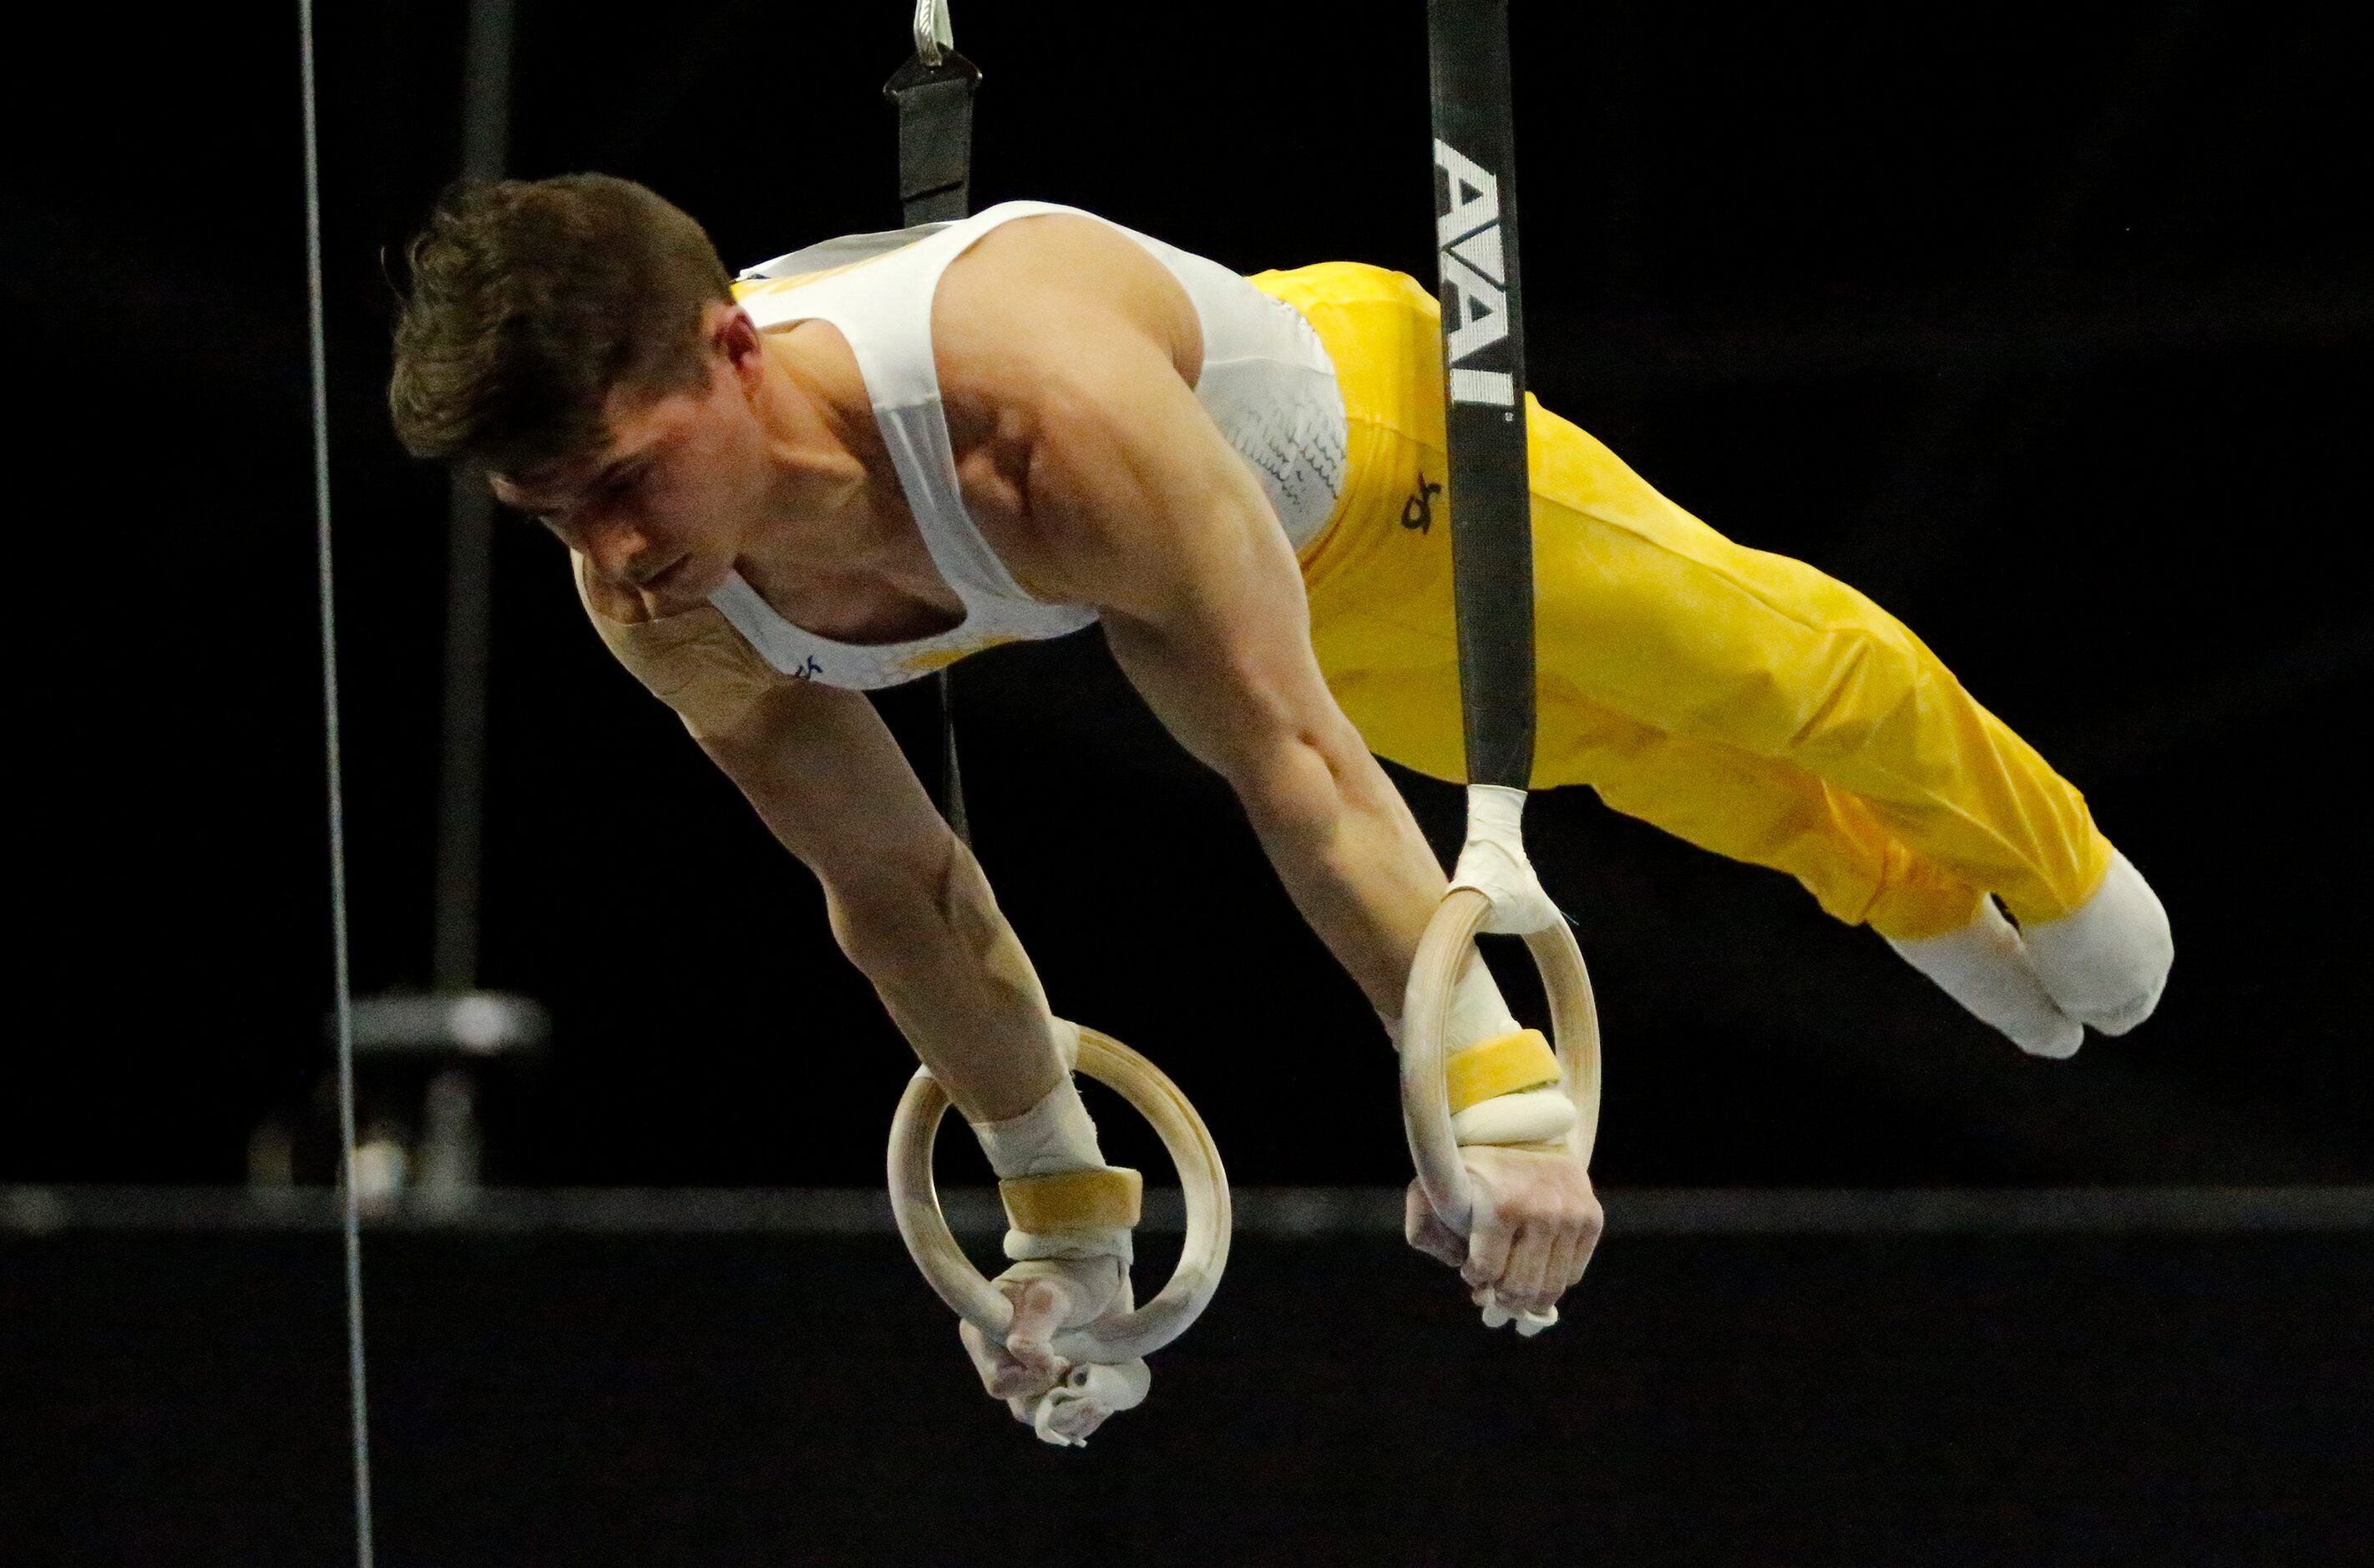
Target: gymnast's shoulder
[[1041, 291]]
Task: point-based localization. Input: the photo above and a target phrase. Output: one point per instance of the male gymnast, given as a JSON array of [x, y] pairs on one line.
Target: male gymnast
[[864, 461]]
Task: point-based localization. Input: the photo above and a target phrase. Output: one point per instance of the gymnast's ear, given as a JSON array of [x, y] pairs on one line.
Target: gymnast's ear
[[733, 335]]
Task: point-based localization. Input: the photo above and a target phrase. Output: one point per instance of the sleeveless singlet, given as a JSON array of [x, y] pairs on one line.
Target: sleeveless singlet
[[1266, 381]]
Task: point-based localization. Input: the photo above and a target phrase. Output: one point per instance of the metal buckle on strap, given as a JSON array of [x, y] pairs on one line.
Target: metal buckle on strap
[[932, 32]]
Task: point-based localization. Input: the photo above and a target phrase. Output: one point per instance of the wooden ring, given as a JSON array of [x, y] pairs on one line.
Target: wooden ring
[[1116, 1337], [1426, 1020]]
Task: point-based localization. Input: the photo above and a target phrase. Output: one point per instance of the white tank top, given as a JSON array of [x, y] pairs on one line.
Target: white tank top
[[1266, 381]]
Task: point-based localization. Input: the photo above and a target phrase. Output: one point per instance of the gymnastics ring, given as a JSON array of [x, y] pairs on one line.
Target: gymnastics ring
[[1426, 1018], [1116, 1337]]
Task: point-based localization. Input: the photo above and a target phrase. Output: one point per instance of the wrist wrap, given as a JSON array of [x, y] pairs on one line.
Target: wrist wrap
[[1506, 1091], [1053, 1135], [1061, 1199], [1503, 1066], [1074, 1201]]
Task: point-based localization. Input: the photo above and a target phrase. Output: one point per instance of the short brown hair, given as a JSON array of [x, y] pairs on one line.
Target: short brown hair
[[530, 301]]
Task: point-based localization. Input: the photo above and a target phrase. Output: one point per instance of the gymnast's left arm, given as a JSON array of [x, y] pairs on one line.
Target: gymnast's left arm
[[1145, 513]]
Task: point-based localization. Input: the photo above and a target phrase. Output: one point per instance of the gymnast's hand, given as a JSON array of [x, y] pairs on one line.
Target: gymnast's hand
[[1535, 1222], [1061, 1402]]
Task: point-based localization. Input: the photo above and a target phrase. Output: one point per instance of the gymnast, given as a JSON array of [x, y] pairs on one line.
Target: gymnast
[[864, 461]]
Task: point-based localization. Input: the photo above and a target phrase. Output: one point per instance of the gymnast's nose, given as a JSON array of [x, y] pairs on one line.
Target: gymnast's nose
[[618, 544]]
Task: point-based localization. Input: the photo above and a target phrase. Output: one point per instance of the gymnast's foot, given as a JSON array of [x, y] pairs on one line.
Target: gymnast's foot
[[2103, 965]]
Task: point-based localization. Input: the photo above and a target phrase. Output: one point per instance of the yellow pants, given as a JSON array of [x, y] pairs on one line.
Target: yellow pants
[[1740, 700]]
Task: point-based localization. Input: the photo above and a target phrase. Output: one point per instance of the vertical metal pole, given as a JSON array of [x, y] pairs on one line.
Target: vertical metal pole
[[486, 132], [342, 975], [486, 91]]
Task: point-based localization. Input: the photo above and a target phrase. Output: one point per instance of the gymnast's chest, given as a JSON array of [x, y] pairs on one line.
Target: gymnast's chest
[[890, 589]]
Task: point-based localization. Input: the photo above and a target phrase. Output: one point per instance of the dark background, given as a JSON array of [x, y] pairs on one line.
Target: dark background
[[2047, 327], [1765, 1401]]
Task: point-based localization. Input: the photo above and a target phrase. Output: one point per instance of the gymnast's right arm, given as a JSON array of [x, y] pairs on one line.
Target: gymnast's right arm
[[911, 908], [907, 901]]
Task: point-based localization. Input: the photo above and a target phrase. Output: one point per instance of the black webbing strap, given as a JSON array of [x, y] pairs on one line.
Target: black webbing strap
[[934, 105], [1484, 384]]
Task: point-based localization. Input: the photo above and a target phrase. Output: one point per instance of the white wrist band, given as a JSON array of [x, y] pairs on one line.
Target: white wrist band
[[1111, 1241], [1477, 1011], [1053, 1136], [1537, 1116]]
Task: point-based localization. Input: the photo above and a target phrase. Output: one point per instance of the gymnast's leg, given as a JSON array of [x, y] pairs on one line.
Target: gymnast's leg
[[1742, 701]]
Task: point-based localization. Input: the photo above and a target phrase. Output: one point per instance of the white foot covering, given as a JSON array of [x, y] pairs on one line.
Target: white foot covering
[[2103, 964], [2106, 961], [1986, 969]]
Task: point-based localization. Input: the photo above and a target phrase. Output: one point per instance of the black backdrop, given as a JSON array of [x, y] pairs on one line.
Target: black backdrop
[[2047, 328]]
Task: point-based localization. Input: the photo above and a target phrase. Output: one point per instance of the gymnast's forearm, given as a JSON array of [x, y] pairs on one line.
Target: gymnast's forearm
[[954, 977], [906, 900], [1352, 858]]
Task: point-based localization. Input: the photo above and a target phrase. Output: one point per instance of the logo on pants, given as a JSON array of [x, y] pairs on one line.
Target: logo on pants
[[1418, 512]]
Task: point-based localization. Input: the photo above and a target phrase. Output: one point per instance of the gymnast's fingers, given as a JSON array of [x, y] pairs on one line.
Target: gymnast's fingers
[[988, 1360], [1564, 1265], [1586, 1242], [1523, 1284], [1002, 1376], [1024, 1367], [1487, 1245], [1076, 1420], [1039, 1309], [1556, 1259], [1566, 1262], [1423, 1230]]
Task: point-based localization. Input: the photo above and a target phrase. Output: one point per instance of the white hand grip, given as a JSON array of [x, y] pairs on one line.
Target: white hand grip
[[1118, 1336], [1425, 1016], [1111, 1389]]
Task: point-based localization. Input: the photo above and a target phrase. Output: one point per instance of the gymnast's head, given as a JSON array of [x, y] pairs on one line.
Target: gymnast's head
[[576, 341]]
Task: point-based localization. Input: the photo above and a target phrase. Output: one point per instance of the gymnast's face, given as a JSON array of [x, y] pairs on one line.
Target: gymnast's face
[[664, 506]]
